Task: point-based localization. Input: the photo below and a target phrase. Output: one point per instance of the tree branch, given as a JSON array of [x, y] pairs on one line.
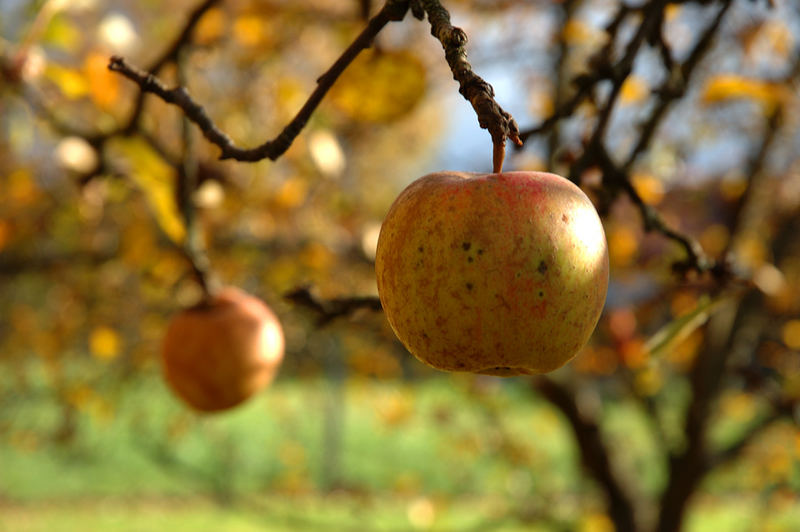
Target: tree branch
[[585, 82], [328, 310], [594, 455], [473, 88], [675, 85], [392, 10]]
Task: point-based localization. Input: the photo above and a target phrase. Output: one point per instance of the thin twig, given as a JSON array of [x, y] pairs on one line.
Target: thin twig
[[328, 310], [179, 96], [594, 454], [129, 125], [585, 83], [193, 247], [473, 88], [172, 53], [675, 85], [730, 336]]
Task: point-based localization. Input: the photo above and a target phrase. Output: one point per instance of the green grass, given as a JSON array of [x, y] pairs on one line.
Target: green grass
[[434, 438], [451, 453]]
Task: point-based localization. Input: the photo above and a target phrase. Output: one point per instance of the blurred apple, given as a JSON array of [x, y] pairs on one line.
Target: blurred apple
[[219, 353], [499, 274]]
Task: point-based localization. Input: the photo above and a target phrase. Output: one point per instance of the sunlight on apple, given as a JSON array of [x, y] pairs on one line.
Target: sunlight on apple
[[272, 336], [588, 230]]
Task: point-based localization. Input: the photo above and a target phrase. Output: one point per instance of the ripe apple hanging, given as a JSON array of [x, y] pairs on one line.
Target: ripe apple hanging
[[499, 274], [219, 353]]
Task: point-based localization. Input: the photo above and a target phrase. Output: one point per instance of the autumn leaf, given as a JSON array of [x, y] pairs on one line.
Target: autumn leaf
[[156, 179], [104, 343], [380, 87], [680, 328], [72, 83], [726, 87], [104, 88], [578, 32], [634, 90], [211, 27]]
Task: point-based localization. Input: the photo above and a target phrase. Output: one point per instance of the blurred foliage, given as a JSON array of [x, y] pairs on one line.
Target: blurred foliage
[[90, 271]]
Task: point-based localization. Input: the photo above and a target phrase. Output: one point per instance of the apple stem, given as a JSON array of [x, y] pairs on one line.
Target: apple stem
[[498, 156]]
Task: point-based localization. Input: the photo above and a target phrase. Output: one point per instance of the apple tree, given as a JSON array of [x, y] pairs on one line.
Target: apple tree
[[261, 144]]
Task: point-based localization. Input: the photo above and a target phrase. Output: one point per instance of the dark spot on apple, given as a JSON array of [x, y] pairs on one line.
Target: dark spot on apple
[[469, 259], [480, 252], [564, 218], [466, 246], [541, 294], [542, 267], [420, 249], [469, 286]]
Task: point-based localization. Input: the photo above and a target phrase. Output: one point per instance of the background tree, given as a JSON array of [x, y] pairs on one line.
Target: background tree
[[209, 148]]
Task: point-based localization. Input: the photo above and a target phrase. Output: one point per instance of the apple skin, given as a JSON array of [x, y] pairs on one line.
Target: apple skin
[[499, 274], [219, 353]]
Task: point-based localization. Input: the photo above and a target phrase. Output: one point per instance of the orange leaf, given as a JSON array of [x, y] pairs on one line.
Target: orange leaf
[[732, 87], [103, 84]]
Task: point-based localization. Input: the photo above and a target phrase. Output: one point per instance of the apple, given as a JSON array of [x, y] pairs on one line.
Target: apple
[[219, 353], [499, 274]]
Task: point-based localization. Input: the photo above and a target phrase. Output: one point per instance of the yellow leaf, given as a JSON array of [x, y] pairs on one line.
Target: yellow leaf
[[596, 522], [157, 180], [578, 32], [634, 90], [138, 247], [750, 250], [732, 187], [211, 27], [380, 87], [63, 33], [69, 81], [649, 187], [790, 334], [249, 29], [317, 257], [648, 381], [714, 239], [622, 245], [672, 11], [732, 87], [104, 343], [103, 84], [292, 193], [679, 329], [739, 406], [21, 188]]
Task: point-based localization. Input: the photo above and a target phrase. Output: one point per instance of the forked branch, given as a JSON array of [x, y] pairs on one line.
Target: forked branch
[[272, 149]]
